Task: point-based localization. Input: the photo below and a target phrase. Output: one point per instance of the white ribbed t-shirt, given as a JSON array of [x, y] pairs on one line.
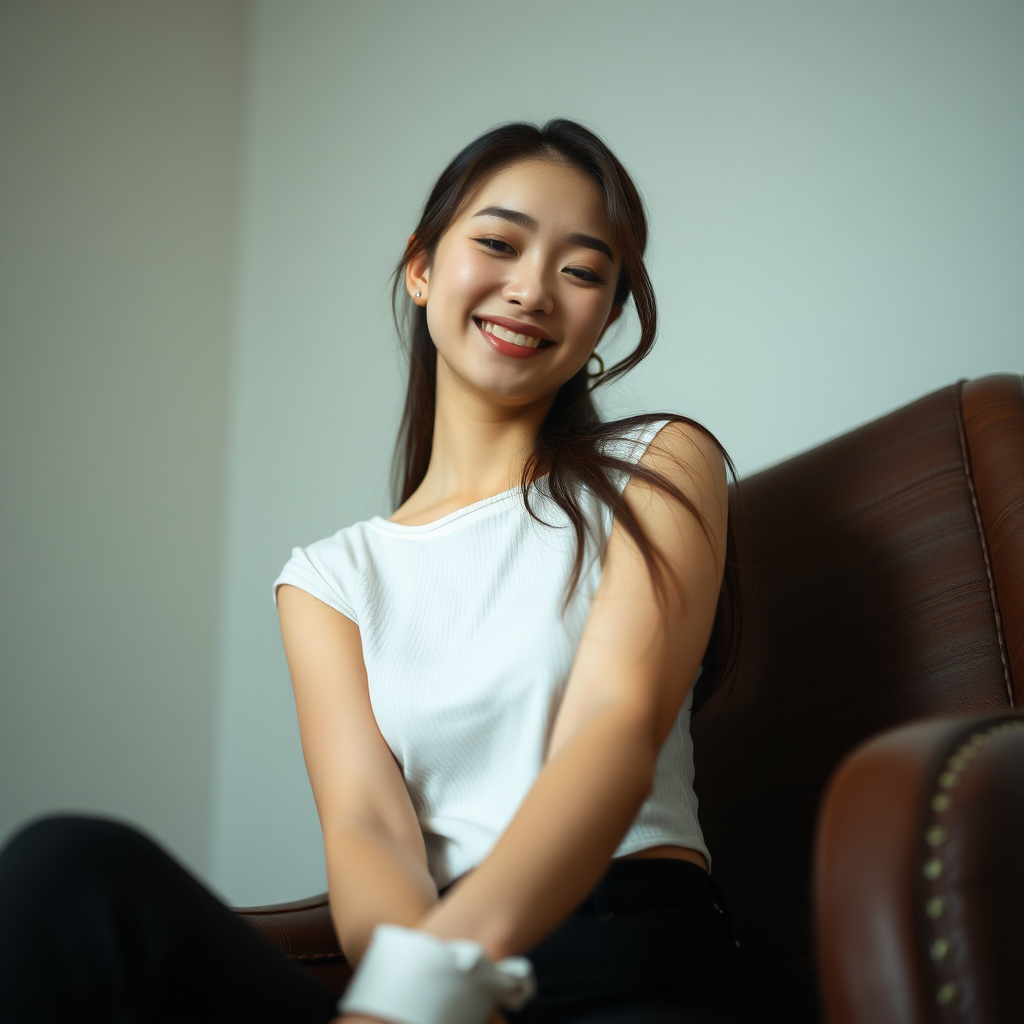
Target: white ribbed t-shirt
[[468, 650]]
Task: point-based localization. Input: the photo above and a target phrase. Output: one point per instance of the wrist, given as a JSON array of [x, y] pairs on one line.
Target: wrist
[[408, 976]]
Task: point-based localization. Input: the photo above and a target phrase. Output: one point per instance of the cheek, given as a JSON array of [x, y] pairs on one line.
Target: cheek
[[459, 284], [466, 273], [589, 314]]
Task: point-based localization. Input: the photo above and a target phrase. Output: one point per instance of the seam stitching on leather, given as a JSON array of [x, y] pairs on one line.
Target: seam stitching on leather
[[979, 525], [934, 891], [283, 910]]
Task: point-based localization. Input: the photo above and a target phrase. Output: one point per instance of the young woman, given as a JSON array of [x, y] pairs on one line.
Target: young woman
[[494, 684]]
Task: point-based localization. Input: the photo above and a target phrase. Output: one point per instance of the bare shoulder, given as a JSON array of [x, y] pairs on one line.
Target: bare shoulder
[[685, 450], [320, 642], [688, 457]]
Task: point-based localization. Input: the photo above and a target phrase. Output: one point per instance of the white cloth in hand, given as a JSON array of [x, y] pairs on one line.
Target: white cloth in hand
[[411, 977]]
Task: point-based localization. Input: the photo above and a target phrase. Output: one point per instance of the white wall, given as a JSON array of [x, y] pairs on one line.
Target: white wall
[[837, 214], [120, 135]]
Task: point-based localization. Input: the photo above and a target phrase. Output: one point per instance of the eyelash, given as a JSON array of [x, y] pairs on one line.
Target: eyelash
[[583, 275], [493, 243]]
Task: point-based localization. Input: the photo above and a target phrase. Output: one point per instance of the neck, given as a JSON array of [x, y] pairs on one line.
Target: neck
[[479, 446]]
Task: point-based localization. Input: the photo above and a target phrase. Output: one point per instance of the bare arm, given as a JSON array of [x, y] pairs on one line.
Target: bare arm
[[376, 860], [629, 680]]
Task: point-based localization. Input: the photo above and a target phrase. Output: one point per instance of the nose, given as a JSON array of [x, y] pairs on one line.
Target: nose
[[527, 286]]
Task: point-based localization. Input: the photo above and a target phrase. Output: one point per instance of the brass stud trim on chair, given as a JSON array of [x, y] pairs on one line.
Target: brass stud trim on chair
[[940, 947]]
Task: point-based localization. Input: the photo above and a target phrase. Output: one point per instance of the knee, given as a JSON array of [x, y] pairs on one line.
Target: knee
[[68, 836], [57, 854]]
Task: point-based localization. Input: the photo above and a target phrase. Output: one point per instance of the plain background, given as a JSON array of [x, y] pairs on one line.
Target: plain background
[[120, 161], [201, 204]]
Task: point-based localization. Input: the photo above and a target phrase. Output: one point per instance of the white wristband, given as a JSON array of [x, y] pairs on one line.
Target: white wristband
[[411, 977]]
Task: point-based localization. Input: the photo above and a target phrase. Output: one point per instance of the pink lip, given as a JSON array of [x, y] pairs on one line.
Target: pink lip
[[506, 348]]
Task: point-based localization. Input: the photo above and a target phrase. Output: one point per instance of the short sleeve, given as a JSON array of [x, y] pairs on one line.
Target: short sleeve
[[320, 570]]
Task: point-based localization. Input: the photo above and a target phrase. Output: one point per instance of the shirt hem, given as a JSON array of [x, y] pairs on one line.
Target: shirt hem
[[691, 842]]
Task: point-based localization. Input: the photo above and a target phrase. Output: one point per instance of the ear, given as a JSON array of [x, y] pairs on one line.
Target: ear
[[612, 317], [417, 273]]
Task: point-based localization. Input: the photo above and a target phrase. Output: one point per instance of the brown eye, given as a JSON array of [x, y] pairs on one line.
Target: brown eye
[[496, 245], [584, 275]]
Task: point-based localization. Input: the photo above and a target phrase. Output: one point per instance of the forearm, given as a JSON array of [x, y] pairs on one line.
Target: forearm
[[373, 878], [559, 843]]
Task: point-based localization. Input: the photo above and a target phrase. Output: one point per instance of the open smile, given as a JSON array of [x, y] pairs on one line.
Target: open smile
[[508, 338]]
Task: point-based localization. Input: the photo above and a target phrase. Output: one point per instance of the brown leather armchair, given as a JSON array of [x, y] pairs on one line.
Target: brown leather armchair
[[884, 585]]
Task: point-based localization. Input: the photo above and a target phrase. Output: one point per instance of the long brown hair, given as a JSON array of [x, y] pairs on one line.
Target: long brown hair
[[572, 447]]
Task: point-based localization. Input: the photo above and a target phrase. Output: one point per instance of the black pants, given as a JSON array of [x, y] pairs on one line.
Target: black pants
[[97, 923]]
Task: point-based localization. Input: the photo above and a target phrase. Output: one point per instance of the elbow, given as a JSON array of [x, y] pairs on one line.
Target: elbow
[[629, 732], [640, 745]]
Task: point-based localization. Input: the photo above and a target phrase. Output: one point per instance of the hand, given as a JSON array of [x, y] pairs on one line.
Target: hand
[[355, 1018]]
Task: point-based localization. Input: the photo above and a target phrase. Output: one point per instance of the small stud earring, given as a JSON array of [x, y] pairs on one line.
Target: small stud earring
[[416, 295]]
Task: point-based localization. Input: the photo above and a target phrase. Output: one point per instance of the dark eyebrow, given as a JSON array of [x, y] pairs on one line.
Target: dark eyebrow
[[524, 220], [590, 242]]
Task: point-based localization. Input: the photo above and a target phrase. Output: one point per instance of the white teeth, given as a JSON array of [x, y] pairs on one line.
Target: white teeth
[[522, 340]]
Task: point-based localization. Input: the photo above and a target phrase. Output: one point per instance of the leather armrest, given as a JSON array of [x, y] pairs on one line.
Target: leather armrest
[[919, 875], [303, 931]]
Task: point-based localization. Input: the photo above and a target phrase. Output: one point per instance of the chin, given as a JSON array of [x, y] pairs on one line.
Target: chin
[[508, 392], [506, 384]]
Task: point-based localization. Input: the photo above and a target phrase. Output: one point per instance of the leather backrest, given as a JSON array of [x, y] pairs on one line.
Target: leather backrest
[[868, 603]]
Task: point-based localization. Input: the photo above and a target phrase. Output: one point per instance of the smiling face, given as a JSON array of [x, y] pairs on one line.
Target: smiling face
[[520, 286]]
